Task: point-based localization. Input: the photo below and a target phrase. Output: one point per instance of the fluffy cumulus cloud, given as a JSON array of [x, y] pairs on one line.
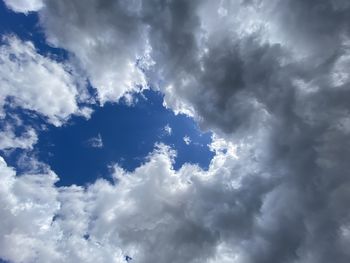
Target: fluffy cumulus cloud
[[270, 78], [105, 222], [34, 82], [107, 40]]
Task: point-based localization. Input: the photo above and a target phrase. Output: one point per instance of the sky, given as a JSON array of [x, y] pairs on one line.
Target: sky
[[174, 131]]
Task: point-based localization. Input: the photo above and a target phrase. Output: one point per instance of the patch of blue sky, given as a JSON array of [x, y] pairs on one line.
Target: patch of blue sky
[[82, 150], [127, 135]]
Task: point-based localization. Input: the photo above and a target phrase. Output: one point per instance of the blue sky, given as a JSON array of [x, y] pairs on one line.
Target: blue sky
[[128, 132]]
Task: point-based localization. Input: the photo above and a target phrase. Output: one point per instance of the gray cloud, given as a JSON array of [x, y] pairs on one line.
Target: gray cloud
[[271, 79]]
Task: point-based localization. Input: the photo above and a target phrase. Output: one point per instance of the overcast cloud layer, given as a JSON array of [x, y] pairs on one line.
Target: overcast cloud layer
[[270, 78]]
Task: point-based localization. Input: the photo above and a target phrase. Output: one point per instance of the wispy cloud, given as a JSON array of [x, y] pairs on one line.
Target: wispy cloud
[[168, 130], [95, 142]]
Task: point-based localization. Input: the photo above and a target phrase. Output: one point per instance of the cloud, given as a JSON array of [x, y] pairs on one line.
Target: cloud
[[95, 142], [251, 83], [235, 210], [107, 41], [24, 6], [268, 77], [34, 82], [168, 130], [42, 223], [105, 221], [277, 79], [8, 139], [187, 140], [28, 203]]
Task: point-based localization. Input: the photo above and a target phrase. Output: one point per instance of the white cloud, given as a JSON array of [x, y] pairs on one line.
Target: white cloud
[[36, 82], [8, 139], [107, 221], [95, 142], [28, 204], [168, 130], [42, 223], [187, 140], [106, 50], [24, 6]]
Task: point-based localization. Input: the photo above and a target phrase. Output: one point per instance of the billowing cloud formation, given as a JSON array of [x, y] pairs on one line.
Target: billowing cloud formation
[[36, 83], [107, 40], [270, 77], [189, 213]]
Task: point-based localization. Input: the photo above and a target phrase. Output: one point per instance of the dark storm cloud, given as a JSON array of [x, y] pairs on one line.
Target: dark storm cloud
[[289, 89]]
